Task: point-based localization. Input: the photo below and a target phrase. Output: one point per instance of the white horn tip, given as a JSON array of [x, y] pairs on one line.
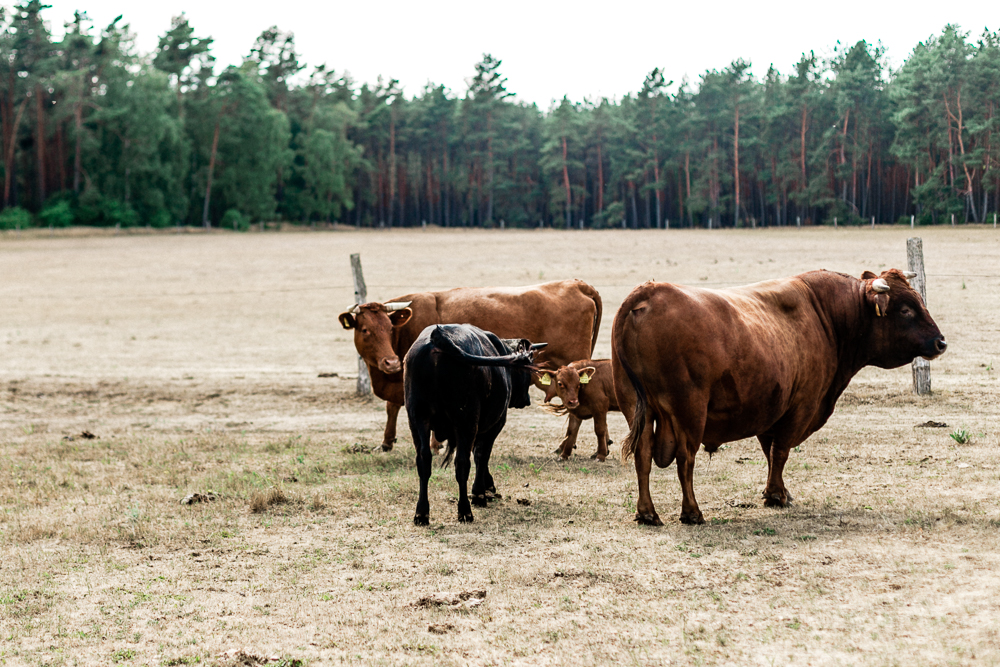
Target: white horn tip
[[396, 305], [909, 274], [880, 286]]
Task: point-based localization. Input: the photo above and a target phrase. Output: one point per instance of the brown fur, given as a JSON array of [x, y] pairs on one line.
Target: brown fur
[[770, 360], [596, 398], [565, 314]]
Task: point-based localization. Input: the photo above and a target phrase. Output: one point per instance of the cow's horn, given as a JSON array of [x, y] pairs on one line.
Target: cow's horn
[[397, 305], [879, 286], [355, 308], [909, 274]]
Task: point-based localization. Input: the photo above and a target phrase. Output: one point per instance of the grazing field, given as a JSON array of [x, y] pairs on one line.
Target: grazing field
[[194, 361]]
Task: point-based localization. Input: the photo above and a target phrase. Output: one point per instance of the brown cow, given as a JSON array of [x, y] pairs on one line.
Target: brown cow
[[587, 390], [770, 360], [565, 314]]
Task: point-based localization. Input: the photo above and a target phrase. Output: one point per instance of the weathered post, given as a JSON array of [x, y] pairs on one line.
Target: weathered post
[[361, 296], [835, 222], [911, 222], [915, 259]]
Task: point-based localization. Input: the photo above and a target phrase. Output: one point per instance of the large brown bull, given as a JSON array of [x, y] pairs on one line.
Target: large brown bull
[[565, 314], [770, 360]]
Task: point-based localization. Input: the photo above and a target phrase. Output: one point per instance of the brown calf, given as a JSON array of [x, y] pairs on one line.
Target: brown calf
[[587, 390]]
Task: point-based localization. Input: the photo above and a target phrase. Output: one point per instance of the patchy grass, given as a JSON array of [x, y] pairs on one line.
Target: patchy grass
[[309, 556]]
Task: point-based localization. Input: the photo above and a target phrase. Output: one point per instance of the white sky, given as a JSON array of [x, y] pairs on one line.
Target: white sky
[[549, 49]]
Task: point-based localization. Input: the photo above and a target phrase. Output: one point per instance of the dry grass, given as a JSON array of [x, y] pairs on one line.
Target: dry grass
[[890, 555]]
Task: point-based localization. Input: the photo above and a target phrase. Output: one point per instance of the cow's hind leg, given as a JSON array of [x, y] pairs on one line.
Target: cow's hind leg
[[483, 487], [645, 513], [690, 512], [421, 440], [463, 464], [566, 447]]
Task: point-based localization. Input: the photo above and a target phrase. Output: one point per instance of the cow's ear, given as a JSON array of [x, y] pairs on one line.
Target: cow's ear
[[868, 275], [347, 320], [400, 317], [878, 300], [586, 374]]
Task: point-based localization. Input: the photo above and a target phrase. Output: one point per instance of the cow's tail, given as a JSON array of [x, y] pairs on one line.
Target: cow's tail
[[555, 409], [641, 401], [596, 297], [446, 345]]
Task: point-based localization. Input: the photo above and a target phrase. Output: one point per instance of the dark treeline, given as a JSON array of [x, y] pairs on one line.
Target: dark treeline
[[94, 132]]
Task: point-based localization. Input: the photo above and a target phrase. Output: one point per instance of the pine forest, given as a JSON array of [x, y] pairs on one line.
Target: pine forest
[[96, 133]]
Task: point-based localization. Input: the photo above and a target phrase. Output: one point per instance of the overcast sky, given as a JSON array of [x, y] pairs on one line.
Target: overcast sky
[[549, 49]]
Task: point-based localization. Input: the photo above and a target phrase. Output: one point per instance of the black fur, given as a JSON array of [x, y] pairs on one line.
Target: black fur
[[458, 382]]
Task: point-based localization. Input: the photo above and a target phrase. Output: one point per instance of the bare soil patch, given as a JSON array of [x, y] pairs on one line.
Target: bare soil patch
[[195, 362]]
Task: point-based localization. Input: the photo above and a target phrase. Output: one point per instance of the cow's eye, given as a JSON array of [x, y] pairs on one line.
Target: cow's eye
[[906, 312], [365, 331], [561, 384]]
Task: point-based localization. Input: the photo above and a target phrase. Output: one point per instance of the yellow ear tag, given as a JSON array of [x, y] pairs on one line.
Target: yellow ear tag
[[545, 379], [584, 379], [877, 311]]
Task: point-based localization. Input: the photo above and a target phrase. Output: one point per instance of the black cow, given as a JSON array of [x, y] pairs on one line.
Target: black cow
[[458, 382]]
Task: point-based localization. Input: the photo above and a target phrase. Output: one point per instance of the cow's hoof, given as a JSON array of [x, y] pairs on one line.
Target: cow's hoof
[[692, 519], [648, 519], [478, 501], [493, 495], [421, 520], [599, 457], [776, 501], [466, 518]]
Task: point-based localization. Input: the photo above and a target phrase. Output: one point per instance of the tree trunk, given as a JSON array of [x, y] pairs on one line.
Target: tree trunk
[[687, 179], [802, 146], [843, 157], [445, 201], [392, 167], [489, 166], [569, 192], [635, 208], [78, 123], [40, 143], [61, 154], [9, 157], [600, 180], [211, 170], [736, 165], [656, 184]]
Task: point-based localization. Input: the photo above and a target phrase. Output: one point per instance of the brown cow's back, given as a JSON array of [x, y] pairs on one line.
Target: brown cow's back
[[564, 314]]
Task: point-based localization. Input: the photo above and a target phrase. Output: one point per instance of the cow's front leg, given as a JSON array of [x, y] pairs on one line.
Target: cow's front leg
[[389, 437], [775, 493], [566, 447], [601, 429]]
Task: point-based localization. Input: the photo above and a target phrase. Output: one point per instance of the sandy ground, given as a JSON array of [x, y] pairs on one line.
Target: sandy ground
[[195, 358]]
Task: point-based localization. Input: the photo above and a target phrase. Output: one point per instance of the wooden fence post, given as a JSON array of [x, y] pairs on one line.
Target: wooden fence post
[[915, 259], [361, 296]]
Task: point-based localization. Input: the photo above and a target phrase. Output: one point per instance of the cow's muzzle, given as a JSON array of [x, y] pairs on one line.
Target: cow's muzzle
[[938, 347], [390, 365], [572, 403]]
